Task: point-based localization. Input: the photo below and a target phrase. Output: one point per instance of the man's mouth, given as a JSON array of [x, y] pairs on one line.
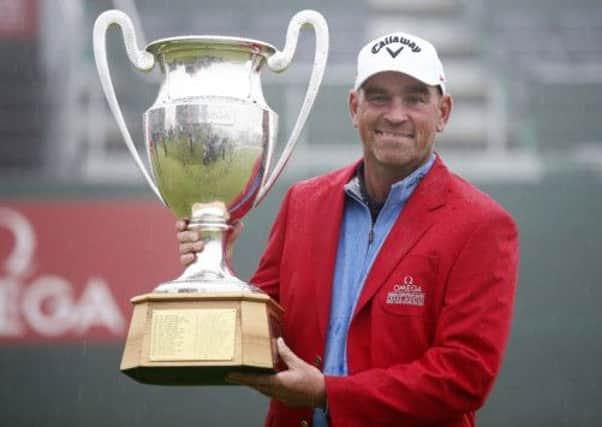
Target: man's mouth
[[392, 134]]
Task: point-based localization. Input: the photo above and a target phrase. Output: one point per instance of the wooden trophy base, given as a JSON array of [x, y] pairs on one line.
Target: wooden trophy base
[[197, 338]]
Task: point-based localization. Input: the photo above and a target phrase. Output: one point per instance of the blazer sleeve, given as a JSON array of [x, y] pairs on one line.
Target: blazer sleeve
[[456, 373], [267, 276]]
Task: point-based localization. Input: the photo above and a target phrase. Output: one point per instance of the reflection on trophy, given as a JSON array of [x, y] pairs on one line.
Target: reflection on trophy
[[210, 139]]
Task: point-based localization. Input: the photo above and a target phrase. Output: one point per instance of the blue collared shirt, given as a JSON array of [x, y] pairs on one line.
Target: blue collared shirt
[[360, 241]]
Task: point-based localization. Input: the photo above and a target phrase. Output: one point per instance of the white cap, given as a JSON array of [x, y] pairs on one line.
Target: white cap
[[404, 53]]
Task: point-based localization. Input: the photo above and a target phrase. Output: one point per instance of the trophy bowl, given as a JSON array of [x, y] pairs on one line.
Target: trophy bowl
[[207, 141], [210, 139]]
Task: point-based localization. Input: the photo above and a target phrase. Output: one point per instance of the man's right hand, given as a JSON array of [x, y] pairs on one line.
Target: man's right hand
[[190, 242]]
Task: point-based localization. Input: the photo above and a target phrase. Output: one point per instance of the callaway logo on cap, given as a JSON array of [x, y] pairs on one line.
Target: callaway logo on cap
[[404, 53]]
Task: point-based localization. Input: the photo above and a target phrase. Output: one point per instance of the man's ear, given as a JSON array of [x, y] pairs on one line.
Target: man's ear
[[353, 104], [445, 107]]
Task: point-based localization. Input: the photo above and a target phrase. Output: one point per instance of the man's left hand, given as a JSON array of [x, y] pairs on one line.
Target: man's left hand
[[301, 385]]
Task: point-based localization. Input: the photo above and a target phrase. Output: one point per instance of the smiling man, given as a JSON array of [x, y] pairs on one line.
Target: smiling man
[[396, 275]]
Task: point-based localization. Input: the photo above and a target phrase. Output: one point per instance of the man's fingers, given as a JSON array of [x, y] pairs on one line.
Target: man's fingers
[[192, 247], [181, 225], [263, 381], [267, 392], [187, 259], [187, 236], [287, 355]]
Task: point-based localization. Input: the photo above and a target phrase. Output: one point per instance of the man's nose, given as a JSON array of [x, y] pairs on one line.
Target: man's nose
[[397, 112]]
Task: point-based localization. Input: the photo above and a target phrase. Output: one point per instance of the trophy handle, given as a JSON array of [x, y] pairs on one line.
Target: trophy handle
[[141, 59], [279, 62]]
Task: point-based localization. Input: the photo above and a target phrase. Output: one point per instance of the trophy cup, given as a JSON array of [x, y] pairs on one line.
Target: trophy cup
[[210, 139]]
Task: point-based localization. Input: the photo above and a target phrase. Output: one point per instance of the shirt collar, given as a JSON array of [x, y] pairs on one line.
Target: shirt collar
[[400, 191]]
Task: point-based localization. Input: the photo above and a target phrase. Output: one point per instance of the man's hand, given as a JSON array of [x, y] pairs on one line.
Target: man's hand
[[190, 242], [301, 385]]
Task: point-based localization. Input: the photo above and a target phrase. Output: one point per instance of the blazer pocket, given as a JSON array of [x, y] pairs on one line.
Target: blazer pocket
[[409, 289]]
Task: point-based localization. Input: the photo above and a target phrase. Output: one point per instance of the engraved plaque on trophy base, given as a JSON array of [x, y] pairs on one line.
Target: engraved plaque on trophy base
[[197, 338]]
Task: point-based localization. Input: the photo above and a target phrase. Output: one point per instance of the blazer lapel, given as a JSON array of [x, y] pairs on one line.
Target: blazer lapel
[[416, 218], [325, 243]]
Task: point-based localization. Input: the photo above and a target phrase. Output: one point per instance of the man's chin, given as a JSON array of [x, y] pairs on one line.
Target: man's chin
[[394, 161]]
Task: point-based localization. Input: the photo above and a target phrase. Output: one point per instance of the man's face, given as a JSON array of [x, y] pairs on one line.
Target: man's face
[[397, 118]]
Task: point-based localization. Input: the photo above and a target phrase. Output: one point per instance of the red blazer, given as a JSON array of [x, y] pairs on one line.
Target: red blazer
[[426, 355]]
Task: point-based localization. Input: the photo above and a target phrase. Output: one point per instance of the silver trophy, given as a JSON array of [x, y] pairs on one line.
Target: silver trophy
[[210, 138]]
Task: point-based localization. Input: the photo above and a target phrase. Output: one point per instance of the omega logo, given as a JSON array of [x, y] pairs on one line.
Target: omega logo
[[45, 303]]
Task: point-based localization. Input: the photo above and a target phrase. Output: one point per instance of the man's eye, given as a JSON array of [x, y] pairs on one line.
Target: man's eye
[[379, 98], [414, 99]]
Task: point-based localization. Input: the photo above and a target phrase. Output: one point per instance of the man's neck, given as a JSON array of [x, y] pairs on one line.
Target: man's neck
[[378, 180]]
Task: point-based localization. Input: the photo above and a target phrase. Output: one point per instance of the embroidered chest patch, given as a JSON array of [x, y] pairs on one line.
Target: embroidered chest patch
[[406, 293]]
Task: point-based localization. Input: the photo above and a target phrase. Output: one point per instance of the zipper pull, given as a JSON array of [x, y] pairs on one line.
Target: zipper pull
[[371, 236]]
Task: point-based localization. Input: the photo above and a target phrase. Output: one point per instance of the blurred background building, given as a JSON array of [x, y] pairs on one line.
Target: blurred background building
[[80, 230]]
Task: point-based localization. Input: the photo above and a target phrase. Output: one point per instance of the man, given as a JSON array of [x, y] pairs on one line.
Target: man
[[397, 276]]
